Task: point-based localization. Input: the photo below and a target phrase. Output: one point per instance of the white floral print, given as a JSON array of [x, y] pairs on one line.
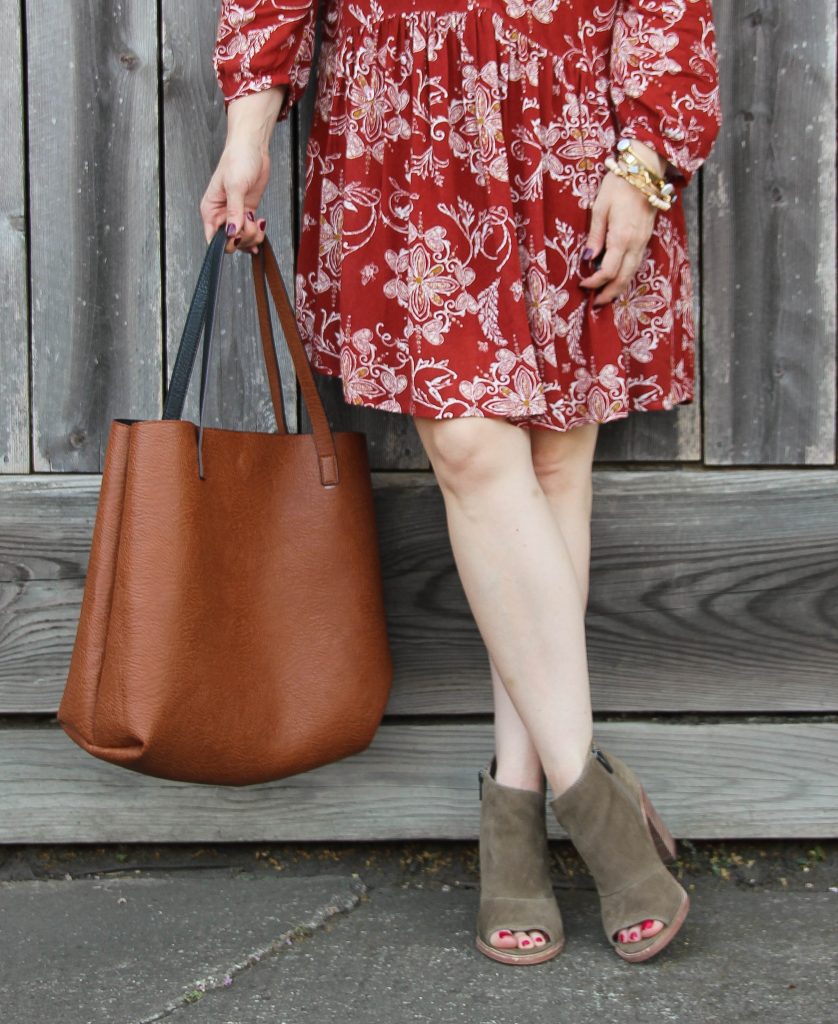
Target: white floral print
[[453, 158]]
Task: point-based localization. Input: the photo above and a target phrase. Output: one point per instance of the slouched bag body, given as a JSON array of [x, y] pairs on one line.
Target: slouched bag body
[[232, 626]]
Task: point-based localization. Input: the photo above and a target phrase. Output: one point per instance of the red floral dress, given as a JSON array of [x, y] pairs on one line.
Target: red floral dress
[[454, 155]]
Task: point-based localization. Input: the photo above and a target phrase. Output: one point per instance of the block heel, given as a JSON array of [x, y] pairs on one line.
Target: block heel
[[664, 842]]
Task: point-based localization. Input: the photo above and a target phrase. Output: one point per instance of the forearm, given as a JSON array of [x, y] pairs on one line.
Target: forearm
[[664, 80], [255, 115]]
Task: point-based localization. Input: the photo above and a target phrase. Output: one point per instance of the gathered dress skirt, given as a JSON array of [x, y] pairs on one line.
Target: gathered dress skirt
[[453, 158]]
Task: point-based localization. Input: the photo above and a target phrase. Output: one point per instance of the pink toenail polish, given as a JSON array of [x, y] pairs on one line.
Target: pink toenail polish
[[648, 924], [525, 942], [504, 934]]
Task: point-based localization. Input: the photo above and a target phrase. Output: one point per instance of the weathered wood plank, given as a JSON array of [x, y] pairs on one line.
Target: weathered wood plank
[[710, 591], [14, 296], [673, 436], [95, 244], [195, 131], [708, 781], [769, 239]]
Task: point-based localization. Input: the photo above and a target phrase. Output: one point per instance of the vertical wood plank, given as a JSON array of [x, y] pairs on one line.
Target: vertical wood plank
[[93, 162], [769, 238], [14, 298], [195, 130]]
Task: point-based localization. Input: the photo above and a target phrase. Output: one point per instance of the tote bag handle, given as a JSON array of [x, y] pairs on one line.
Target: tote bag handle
[[201, 317]]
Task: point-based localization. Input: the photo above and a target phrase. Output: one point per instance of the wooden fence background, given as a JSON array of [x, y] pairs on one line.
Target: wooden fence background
[[714, 598]]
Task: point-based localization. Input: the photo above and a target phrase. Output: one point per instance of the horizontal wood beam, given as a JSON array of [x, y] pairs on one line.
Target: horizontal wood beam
[[709, 781], [711, 591]]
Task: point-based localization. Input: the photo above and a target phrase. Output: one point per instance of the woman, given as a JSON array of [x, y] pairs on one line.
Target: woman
[[471, 254]]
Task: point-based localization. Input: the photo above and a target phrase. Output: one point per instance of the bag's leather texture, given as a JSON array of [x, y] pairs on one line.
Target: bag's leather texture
[[232, 627]]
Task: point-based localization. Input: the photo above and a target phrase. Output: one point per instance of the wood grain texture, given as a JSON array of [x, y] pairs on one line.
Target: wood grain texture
[[94, 227], [769, 285], [195, 133], [708, 781], [14, 291], [710, 591]]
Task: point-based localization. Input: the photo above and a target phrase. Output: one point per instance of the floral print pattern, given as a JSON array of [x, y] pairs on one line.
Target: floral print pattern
[[454, 156]]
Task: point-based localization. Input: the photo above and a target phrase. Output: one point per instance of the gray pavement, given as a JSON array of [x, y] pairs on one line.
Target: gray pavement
[[386, 934]]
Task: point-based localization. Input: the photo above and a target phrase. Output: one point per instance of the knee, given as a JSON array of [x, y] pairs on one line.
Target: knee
[[563, 462], [464, 453], [559, 475]]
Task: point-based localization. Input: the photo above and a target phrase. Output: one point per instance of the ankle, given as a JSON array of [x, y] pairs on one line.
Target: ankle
[[519, 775], [565, 772]]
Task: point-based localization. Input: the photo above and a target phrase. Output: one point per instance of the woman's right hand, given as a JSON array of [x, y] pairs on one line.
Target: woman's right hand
[[238, 182]]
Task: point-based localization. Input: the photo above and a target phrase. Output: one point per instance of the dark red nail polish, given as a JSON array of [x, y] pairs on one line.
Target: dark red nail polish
[[250, 215], [262, 224], [236, 241]]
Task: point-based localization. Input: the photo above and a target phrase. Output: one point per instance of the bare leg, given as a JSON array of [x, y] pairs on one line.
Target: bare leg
[[519, 579], [562, 463], [526, 588]]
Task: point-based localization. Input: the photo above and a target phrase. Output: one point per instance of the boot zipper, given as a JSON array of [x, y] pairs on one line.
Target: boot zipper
[[603, 760]]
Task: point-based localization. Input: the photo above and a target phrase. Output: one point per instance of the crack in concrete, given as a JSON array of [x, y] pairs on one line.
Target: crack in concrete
[[223, 977]]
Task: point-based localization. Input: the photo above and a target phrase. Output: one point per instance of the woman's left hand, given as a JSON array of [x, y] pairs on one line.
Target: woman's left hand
[[623, 219]]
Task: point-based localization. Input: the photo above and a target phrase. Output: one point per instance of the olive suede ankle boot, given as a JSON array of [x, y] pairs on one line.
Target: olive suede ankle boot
[[515, 887], [619, 835]]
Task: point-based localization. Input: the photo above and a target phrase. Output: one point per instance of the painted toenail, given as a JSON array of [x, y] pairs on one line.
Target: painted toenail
[[504, 934], [634, 936], [526, 942], [648, 924]]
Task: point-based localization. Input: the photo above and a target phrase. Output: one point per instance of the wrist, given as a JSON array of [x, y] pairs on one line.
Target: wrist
[[254, 116], [650, 156]]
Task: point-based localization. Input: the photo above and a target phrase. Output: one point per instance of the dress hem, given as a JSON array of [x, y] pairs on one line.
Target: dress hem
[[524, 422]]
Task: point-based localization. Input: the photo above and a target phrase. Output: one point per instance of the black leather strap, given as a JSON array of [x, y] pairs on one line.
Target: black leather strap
[[212, 304], [195, 323], [201, 316]]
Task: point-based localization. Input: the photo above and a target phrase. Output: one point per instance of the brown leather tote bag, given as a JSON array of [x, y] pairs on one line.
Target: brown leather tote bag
[[232, 625]]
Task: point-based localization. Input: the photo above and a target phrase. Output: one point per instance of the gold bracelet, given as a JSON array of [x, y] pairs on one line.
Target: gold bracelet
[[660, 193], [624, 147]]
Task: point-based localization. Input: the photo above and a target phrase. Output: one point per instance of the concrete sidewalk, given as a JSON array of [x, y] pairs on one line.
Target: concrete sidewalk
[[370, 933]]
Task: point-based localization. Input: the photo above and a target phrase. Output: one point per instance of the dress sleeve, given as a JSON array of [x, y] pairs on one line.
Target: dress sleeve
[[664, 78], [263, 43]]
